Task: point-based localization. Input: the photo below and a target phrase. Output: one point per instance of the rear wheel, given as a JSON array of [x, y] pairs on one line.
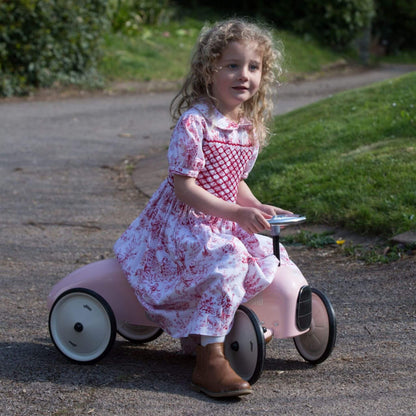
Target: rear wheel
[[138, 334], [317, 344], [244, 346], [82, 325]]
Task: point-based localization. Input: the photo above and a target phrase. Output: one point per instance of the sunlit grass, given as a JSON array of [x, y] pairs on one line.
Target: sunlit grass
[[155, 53], [349, 160]]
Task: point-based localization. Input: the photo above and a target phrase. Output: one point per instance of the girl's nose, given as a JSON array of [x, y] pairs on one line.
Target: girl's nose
[[244, 73]]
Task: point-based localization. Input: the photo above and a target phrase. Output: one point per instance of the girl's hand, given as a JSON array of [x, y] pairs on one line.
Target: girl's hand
[[271, 210], [253, 220]]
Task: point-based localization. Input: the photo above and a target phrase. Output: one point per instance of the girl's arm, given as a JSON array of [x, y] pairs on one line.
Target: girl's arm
[[250, 217]]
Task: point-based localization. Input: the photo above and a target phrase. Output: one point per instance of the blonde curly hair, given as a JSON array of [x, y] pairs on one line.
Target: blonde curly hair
[[208, 50]]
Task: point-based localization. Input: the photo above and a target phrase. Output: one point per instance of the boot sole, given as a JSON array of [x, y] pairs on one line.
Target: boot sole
[[232, 393]]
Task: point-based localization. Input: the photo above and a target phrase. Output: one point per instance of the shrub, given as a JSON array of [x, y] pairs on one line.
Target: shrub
[[338, 22], [44, 41], [333, 22], [394, 26], [129, 16]]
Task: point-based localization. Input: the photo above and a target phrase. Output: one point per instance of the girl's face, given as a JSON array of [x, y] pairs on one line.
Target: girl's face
[[237, 77]]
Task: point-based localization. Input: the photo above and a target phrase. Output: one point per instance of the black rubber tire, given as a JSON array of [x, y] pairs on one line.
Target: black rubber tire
[[244, 346], [316, 345]]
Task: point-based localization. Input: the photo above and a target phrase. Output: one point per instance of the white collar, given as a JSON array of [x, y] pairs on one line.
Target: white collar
[[217, 119]]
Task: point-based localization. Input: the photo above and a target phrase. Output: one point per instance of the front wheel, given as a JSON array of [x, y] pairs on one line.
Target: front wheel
[[244, 345], [317, 344], [82, 325]]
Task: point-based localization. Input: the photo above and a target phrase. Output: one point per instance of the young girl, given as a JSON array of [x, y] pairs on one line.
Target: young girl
[[192, 256]]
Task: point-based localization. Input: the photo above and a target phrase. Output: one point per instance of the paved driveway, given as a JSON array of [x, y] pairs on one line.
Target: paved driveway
[[65, 198]]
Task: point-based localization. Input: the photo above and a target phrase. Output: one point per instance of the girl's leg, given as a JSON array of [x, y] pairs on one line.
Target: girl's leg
[[190, 343], [205, 340], [213, 374]]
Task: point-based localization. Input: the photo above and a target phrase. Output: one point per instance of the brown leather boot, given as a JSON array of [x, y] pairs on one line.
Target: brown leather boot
[[213, 374]]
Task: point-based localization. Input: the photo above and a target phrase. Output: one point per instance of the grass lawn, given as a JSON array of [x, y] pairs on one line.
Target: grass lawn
[[163, 53], [349, 160], [155, 53]]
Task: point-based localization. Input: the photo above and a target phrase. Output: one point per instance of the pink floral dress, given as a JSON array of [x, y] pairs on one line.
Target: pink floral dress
[[189, 270]]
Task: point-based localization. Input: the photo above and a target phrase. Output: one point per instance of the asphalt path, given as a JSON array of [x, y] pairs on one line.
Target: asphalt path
[[65, 198]]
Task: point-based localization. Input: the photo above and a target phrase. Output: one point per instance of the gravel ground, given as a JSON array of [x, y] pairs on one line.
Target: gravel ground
[[65, 198]]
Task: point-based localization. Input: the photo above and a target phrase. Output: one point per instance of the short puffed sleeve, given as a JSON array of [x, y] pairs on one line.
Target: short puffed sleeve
[[185, 153]]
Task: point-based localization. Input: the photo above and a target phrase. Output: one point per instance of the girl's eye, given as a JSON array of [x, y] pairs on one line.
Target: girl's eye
[[235, 67]]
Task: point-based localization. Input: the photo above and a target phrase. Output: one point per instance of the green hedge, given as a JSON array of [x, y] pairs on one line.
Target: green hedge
[[394, 25], [128, 16], [338, 22], [333, 22], [44, 41]]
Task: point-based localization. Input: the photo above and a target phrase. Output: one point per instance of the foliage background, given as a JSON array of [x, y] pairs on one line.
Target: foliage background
[[333, 22], [43, 42], [394, 25]]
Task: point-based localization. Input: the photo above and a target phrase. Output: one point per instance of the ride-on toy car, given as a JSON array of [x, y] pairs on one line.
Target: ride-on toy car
[[90, 305]]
